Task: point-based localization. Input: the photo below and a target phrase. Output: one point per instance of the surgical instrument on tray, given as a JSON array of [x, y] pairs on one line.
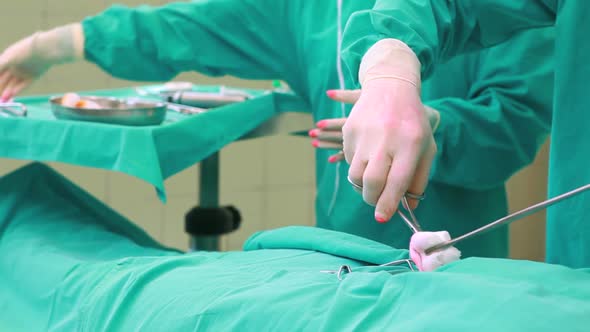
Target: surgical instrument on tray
[[13, 110], [179, 108], [509, 219], [184, 96], [203, 99], [184, 109]]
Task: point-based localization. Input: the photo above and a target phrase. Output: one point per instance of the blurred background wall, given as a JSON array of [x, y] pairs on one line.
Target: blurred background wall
[[271, 180]]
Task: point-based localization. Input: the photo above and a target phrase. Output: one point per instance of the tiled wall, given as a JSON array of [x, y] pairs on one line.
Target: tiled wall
[[270, 180]]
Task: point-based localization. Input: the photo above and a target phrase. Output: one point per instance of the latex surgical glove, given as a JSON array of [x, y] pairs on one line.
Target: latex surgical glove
[[29, 58], [328, 133], [422, 241], [388, 140]]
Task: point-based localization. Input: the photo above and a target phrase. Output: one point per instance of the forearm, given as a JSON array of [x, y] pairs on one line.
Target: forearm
[[437, 30], [211, 37], [59, 45]]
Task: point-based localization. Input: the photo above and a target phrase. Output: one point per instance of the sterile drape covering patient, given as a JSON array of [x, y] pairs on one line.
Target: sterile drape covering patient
[[68, 263]]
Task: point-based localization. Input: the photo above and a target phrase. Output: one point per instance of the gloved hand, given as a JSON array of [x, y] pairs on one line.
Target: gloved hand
[[29, 58], [328, 134], [388, 140]]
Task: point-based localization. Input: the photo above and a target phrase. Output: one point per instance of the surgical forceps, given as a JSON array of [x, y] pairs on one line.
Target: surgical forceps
[[184, 96], [345, 269], [509, 219], [411, 222], [178, 108]]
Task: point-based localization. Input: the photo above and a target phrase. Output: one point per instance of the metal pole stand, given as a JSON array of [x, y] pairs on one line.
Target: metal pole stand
[[208, 221]]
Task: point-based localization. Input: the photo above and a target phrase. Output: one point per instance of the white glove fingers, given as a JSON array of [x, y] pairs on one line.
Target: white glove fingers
[[331, 124], [18, 87], [421, 177], [399, 177], [336, 157], [326, 145], [344, 96], [375, 177], [332, 136], [5, 79], [356, 172]]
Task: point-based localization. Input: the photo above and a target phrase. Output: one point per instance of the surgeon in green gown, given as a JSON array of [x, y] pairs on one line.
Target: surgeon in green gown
[[437, 30], [493, 108]]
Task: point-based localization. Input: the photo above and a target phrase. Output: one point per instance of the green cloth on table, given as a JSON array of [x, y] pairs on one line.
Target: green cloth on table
[[152, 153]]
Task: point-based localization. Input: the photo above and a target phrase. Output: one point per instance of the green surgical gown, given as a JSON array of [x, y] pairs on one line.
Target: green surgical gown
[[437, 30], [296, 41]]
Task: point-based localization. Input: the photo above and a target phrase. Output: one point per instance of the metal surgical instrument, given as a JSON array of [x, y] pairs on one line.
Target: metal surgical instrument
[[13, 110], [345, 269], [412, 222], [509, 219]]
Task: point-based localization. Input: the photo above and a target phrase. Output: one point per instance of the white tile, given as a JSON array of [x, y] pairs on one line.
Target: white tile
[[147, 215], [92, 180], [201, 79], [80, 76], [289, 206], [10, 165], [243, 166], [123, 187], [27, 8], [183, 183], [19, 25], [131, 3], [75, 9], [41, 86], [137, 200], [527, 187], [290, 161], [116, 83]]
